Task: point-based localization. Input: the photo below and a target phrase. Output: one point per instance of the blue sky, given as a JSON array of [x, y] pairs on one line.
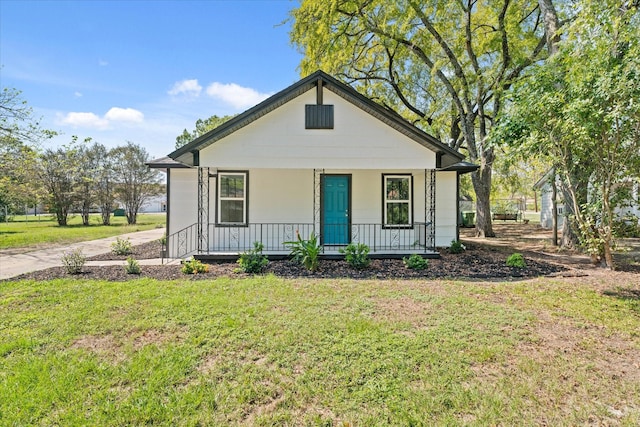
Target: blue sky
[[143, 71]]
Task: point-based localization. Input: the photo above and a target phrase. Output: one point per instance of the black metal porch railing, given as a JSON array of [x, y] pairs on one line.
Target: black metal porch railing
[[231, 240], [331, 236], [182, 243]]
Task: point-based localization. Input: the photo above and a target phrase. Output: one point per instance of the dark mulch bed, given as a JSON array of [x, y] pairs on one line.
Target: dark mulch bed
[[144, 251], [478, 262]]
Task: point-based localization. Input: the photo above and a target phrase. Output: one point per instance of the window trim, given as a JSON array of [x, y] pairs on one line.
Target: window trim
[[245, 199], [409, 176]]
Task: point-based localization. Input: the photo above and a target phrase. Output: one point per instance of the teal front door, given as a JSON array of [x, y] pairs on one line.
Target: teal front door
[[336, 209]]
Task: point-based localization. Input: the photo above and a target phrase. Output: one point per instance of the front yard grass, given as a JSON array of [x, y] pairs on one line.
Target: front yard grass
[[34, 231], [270, 351]]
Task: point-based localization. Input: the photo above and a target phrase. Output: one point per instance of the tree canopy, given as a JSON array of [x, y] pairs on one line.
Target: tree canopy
[[202, 127], [443, 65], [581, 109]]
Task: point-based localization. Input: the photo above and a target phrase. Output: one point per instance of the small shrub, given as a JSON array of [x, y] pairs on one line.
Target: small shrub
[[253, 261], [516, 260], [132, 266], [305, 252], [121, 246], [163, 240], [356, 255], [194, 266], [456, 247], [73, 261], [415, 262]]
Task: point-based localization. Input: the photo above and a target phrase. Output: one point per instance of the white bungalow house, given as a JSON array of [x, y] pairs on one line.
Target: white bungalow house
[[317, 157]]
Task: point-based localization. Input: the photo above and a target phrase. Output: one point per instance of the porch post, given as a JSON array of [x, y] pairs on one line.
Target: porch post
[[203, 210], [430, 209], [317, 175]]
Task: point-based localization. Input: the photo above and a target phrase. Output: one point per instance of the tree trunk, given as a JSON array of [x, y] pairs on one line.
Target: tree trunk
[[61, 215], [85, 214], [131, 217], [570, 238], [554, 209], [105, 212], [481, 180], [551, 24]]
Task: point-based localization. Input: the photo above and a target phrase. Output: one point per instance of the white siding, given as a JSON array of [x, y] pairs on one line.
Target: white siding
[[280, 140], [286, 196], [446, 208], [183, 199], [546, 208]]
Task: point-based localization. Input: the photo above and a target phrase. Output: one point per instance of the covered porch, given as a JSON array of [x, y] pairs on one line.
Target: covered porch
[[404, 226]]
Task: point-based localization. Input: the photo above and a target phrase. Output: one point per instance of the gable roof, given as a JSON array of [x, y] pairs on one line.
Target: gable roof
[[447, 155]]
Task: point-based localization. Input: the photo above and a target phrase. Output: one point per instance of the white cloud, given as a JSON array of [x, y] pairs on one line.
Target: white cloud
[[86, 120], [117, 114], [187, 87], [77, 94], [102, 63], [235, 95], [93, 121]]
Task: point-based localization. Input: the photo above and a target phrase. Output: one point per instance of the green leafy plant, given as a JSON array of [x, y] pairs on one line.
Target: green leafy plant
[[73, 261], [516, 260], [415, 262], [356, 255], [163, 239], [305, 252], [456, 247], [121, 246], [194, 266], [253, 261], [132, 266]]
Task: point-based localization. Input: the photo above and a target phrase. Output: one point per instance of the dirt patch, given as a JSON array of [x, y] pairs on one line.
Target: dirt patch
[[402, 309], [113, 348], [613, 356], [147, 337], [104, 346]]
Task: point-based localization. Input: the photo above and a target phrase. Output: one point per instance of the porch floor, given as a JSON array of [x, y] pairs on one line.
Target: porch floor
[[327, 254]]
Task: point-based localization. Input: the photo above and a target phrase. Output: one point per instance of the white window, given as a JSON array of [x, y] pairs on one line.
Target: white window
[[232, 198], [397, 200]]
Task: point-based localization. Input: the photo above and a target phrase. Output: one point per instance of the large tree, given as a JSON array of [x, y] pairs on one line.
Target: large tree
[[443, 65], [87, 178], [104, 182], [20, 136], [59, 174], [135, 181], [582, 110]]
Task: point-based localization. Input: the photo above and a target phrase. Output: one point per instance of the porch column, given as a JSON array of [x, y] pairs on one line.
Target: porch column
[[203, 210], [430, 209], [317, 178]]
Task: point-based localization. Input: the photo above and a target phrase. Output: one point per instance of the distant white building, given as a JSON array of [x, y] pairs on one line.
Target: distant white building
[[546, 201], [157, 204]]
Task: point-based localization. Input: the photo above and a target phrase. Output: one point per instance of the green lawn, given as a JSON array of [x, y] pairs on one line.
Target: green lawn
[[33, 231], [269, 351]]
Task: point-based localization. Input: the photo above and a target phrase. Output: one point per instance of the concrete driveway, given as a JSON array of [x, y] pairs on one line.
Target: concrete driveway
[[14, 265]]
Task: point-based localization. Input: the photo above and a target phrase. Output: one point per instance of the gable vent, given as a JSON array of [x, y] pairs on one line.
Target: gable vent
[[318, 116]]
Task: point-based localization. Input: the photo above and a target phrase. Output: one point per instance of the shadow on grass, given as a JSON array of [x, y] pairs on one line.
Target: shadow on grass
[[623, 293]]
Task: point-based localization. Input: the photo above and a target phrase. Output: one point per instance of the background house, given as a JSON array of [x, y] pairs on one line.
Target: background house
[[543, 185]]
